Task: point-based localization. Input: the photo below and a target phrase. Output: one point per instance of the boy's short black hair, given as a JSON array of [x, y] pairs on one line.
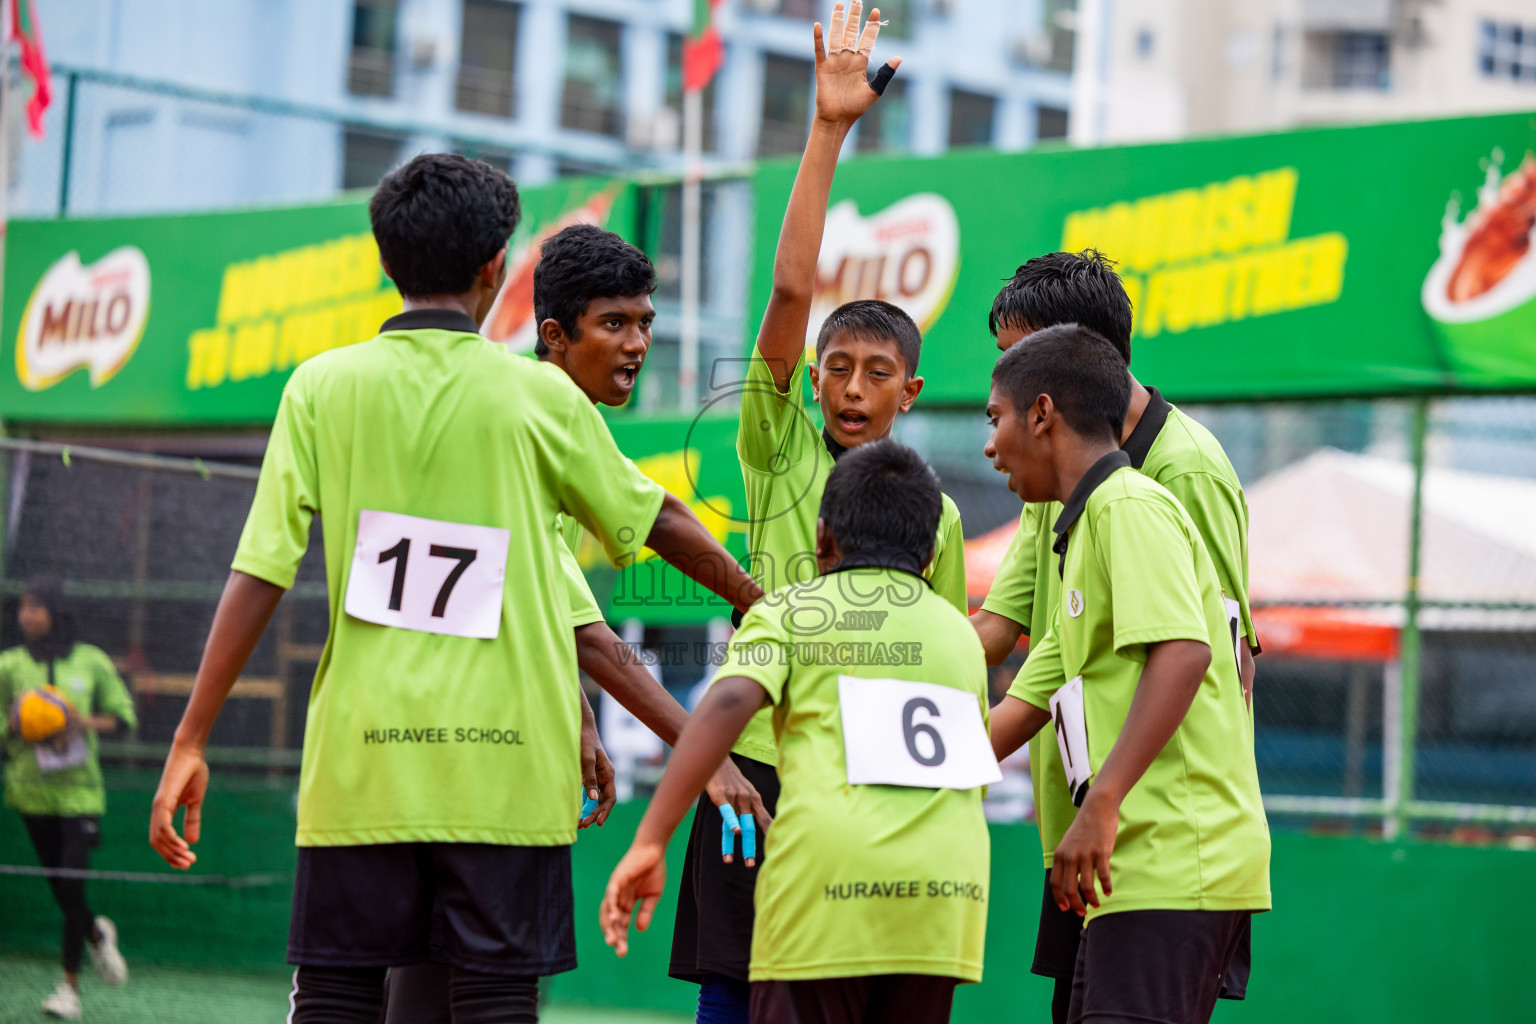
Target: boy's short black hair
[[874, 320], [882, 497], [580, 264], [1078, 368], [440, 218], [1066, 288]]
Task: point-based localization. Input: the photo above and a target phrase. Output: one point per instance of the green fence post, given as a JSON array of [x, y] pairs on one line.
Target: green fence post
[[1412, 661]]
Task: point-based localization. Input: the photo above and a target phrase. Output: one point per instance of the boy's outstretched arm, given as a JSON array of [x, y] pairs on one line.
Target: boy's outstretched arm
[[843, 93], [999, 635], [597, 653], [1169, 682], [640, 876], [1013, 723], [679, 538], [245, 608]]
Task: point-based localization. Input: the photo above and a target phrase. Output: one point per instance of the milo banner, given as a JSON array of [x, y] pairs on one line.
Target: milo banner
[[199, 319], [1373, 260]]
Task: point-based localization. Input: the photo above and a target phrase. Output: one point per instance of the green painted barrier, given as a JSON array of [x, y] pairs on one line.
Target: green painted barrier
[[1364, 931]]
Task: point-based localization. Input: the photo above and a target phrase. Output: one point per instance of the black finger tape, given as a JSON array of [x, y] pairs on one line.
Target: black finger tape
[[882, 79]]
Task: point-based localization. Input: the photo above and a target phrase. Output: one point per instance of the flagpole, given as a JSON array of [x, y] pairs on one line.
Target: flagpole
[[693, 145]]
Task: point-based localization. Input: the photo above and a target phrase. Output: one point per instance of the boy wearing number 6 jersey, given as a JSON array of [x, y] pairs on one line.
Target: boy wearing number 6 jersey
[[1135, 676], [873, 903]]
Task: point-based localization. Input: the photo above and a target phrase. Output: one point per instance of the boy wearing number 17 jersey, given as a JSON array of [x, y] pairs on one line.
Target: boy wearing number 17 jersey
[[874, 902]]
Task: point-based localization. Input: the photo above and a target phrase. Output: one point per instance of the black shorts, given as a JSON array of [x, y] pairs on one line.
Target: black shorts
[[875, 999], [1057, 939], [505, 910], [1154, 966], [713, 933]]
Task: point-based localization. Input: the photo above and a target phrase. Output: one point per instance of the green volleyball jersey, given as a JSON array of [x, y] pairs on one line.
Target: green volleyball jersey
[[1185, 458], [861, 878], [445, 705], [88, 679], [1192, 832], [584, 609], [785, 464]]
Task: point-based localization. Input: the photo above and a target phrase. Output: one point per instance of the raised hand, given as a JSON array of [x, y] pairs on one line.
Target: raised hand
[[843, 92]]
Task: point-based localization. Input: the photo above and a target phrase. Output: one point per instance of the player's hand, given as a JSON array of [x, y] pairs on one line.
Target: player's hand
[[596, 782], [640, 876], [1084, 853], [730, 791], [843, 91], [183, 783]]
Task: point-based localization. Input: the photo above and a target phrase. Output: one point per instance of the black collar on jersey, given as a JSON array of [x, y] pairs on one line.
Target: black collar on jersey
[[1073, 509], [431, 320], [834, 449], [1139, 444], [882, 558]]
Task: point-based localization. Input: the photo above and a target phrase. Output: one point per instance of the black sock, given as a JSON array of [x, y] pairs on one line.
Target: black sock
[[337, 995], [479, 998], [1061, 1000]]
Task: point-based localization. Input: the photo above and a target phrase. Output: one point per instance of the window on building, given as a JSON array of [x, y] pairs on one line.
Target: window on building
[[670, 138], [498, 158], [371, 66], [806, 9], [1050, 123], [786, 105], [1061, 31], [594, 77], [1507, 51], [887, 125], [487, 50], [367, 156], [970, 118], [1347, 60]]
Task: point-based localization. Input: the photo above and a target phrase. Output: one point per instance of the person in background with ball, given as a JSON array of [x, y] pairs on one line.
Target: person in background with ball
[[59, 695]]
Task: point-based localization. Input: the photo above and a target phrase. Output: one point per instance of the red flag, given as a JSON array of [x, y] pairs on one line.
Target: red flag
[[23, 28], [704, 52]]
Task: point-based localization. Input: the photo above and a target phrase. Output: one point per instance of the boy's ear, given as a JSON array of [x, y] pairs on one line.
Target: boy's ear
[[909, 393], [494, 272], [553, 335], [1042, 416], [827, 554], [814, 372]]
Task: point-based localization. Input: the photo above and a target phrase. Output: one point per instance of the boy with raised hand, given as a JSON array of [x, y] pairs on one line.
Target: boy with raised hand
[[1136, 670], [441, 748], [874, 903], [864, 376], [592, 300], [1166, 445]]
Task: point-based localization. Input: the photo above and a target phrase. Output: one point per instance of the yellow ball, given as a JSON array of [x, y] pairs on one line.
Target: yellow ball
[[42, 714]]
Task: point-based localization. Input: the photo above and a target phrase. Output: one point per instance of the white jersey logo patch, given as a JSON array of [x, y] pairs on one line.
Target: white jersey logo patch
[[901, 733], [428, 575], [1074, 603]]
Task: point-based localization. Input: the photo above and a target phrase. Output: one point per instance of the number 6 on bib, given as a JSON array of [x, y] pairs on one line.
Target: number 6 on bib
[[901, 733], [428, 575]]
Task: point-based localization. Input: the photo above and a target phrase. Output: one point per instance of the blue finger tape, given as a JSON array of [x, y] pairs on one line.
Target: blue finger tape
[[882, 78], [728, 827], [588, 805], [748, 837]]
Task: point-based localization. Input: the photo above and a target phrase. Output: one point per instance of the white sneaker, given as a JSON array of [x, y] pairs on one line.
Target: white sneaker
[[64, 1003], [104, 954]]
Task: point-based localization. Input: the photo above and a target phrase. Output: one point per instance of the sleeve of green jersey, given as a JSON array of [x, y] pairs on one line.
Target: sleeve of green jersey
[[7, 694], [762, 627], [1012, 594], [1220, 513], [604, 491], [1042, 674], [948, 575], [287, 493], [774, 422], [1148, 557], [111, 696], [584, 609]]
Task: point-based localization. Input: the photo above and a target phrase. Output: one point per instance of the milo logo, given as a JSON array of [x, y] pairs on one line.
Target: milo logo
[[907, 254], [81, 315]]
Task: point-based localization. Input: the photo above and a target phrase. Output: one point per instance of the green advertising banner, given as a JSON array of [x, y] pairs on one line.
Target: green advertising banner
[[198, 320], [1363, 260]]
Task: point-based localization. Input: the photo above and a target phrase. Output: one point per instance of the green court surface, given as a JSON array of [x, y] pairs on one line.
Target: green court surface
[[160, 995]]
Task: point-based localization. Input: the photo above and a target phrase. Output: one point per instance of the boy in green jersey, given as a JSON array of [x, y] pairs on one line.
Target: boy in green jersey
[[864, 376], [592, 302], [1163, 443], [441, 750], [1137, 674], [874, 902]]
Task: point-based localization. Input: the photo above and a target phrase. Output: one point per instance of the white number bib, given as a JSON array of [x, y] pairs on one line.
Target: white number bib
[[1235, 621], [900, 733], [428, 575], [1071, 724]]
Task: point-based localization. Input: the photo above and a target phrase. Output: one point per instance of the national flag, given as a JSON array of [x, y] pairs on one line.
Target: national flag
[[703, 52], [21, 25]]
